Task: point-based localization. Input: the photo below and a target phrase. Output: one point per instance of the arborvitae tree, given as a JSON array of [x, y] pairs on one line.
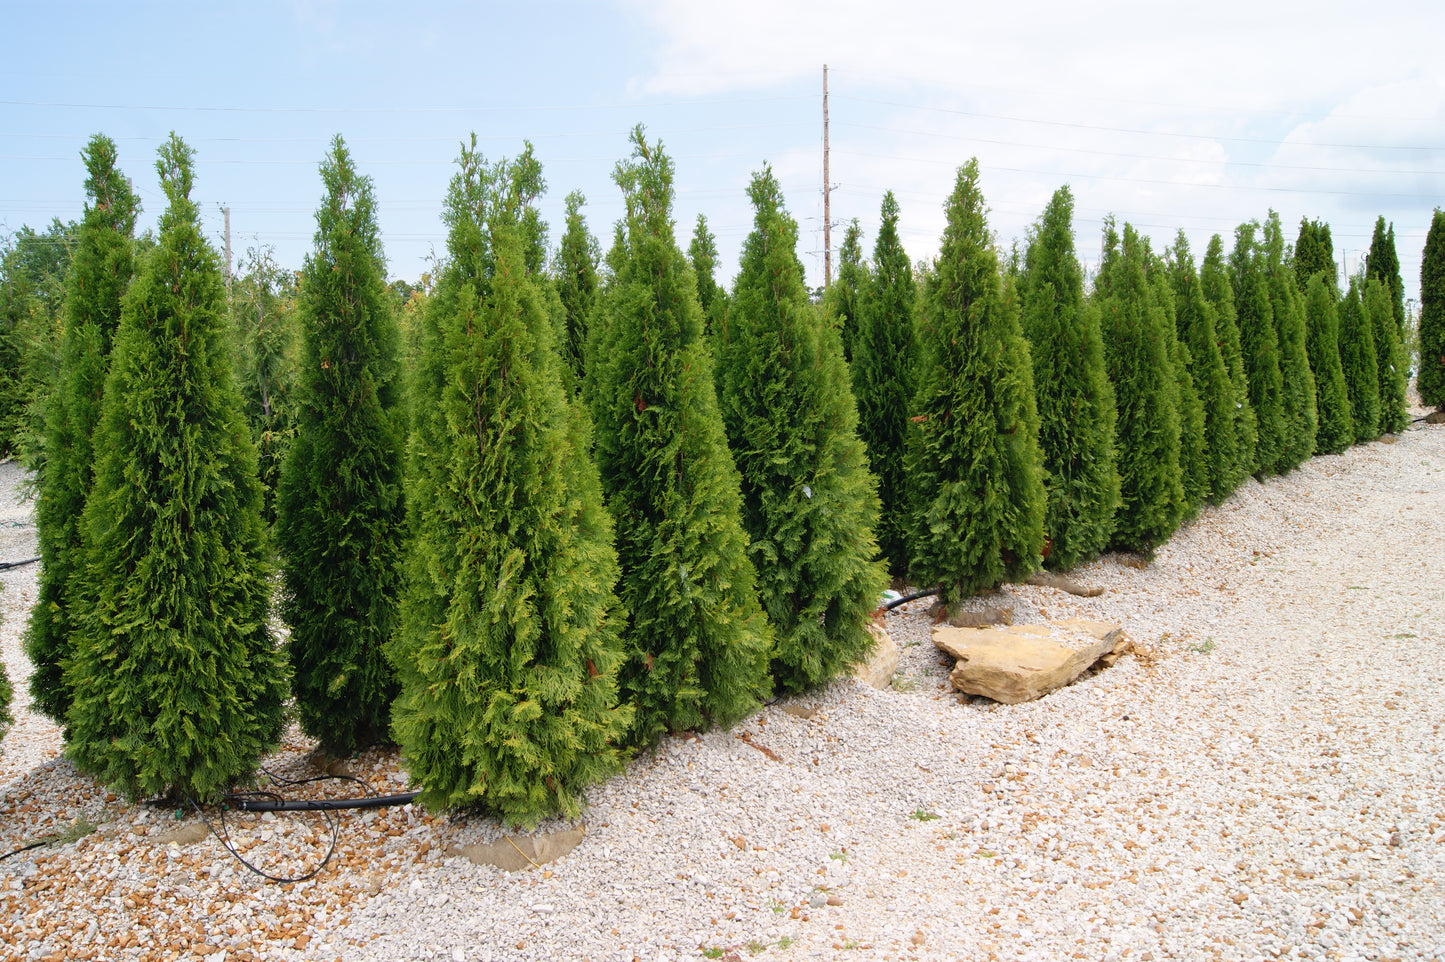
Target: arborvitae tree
[[508, 648], [882, 374], [1146, 392], [1071, 385], [1314, 253], [1194, 319], [975, 460], [1301, 416], [175, 679], [1259, 344], [99, 273], [1358, 360], [1390, 363], [698, 644], [1383, 263], [1431, 378], [263, 300], [1214, 281], [845, 298], [1193, 456], [702, 254], [809, 503], [340, 512], [575, 273], [1336, 427]]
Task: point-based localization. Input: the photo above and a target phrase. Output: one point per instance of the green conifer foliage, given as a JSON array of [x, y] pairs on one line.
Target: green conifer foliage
[[1314, 253], [1259, 345], [882, 373], [263, 300], [1072, 390], [1336, 426], [975, 460], [575, 274], [1193, 456], [1383, 264], [1146, 393], [1431, 377], [698, 644], [339, 505], [1358, 360], [1195, 321], [846, 296], [1301, 416], [809, 502], [1390, 364], [100, 271], [1214, 281], [508, 649], [176, 681], [702, 254]]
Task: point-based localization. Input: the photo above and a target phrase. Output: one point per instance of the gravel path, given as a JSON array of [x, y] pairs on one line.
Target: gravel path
[[1266, 779]]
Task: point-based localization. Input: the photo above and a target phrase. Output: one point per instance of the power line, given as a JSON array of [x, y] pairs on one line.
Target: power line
[[1075, 125]]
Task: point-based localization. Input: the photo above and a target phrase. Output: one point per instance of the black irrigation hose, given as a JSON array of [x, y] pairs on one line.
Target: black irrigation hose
[[323, 804], [26, 848], [224, 836], [7, 565], [907, 598]]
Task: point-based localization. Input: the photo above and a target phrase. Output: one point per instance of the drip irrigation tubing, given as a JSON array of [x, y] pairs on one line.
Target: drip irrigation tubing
[[907, 598], [7, 565]]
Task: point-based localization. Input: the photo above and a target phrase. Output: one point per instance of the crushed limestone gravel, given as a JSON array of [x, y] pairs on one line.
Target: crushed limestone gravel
[[1265, 779]]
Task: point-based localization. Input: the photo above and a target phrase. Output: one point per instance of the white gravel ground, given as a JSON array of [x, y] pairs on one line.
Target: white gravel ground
[[1267, 779]]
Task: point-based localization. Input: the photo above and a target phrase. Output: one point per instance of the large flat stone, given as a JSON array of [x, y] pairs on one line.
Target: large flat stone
[[878, 670], [516, 853], [1019, 663]]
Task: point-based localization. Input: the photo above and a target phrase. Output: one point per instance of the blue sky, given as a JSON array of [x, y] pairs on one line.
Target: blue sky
[[1193, 120]]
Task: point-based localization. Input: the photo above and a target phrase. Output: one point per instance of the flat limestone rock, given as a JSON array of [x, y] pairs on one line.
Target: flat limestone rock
[[517, 852], [878, 670], [1019, 663]]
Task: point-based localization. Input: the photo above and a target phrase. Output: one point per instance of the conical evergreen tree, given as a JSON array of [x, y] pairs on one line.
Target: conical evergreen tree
[[975, 461], [809, 503], [1146, 392], [1214, 281], [698, 644], [1194, 318], [100, 271], [1072, 390], [1314, 253], [176, 680], [1259, 345], [1431, 377], [1390, 364], [1193, 457], [1358, 361], [882, 373], [845, 297], [1383, 264], [263, 305], [1336, 427], [340, 517], [508, 650], [702, 255], [1301, 416], [575, 274]]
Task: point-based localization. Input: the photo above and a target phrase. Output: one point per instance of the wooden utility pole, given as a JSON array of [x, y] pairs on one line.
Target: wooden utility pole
[[827, 209], [227, 212]]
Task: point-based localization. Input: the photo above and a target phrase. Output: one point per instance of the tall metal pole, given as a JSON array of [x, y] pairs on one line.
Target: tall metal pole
[[227, 212], [827, 209]]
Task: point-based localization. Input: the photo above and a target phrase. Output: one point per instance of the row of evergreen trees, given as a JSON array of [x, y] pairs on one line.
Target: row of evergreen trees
[[566, 512]]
